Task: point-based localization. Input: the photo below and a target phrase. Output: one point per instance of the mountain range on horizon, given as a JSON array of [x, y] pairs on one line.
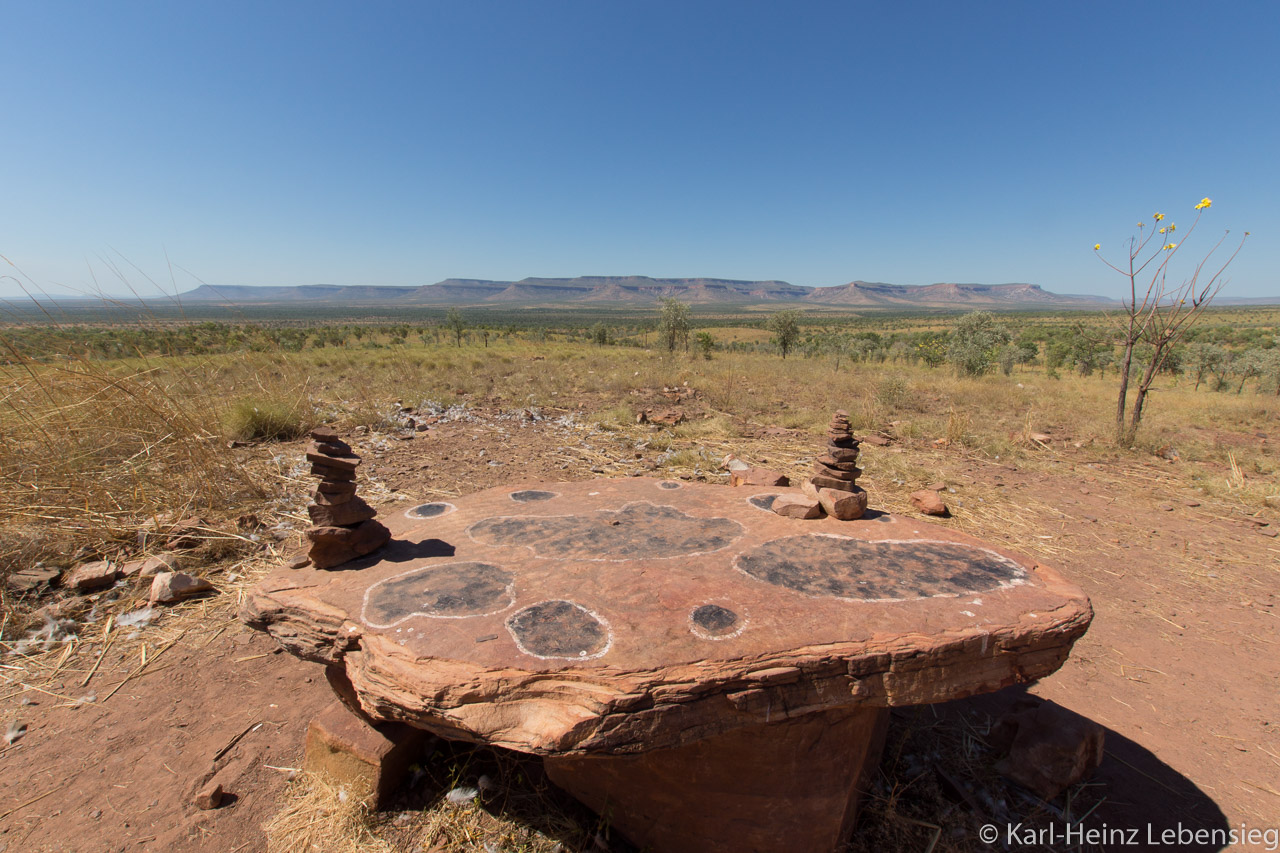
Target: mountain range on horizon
[[642, 290]]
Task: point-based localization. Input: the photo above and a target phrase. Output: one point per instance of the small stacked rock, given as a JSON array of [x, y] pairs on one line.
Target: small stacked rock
[[343, 524], [834, 482]]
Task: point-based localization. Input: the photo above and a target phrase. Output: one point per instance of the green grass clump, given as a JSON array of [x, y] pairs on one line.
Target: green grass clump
[[264, 418]]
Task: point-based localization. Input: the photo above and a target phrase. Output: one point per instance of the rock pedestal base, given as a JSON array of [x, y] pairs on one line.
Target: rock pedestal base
[[793, 785], [370, 763]]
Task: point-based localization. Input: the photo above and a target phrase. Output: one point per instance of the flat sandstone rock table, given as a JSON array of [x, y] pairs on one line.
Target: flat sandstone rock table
[[714, 676]]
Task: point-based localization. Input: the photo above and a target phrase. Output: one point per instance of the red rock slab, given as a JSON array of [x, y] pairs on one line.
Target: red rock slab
[[618, 616]]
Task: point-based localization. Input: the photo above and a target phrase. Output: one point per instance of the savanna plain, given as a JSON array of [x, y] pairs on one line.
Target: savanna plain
[[124, 430]]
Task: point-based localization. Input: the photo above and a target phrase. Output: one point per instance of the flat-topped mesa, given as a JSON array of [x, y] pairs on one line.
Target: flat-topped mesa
[[342, 523], [835, 477]]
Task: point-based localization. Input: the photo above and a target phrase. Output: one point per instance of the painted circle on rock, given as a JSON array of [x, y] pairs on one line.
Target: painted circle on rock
[[525, 496], [888, 570], [715, 622], [764, 502], [668, 484], [431, 510], [450, 591], [559, 629]]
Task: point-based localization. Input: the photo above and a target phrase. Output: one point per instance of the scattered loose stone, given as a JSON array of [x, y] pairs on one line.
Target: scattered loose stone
[[186, 534], [876, 440], [732, 463], [14, 732], [299, 561], [929, 502], [34, 578], [661, 417], [151, 566], [797, 506], [88, 577], [342, 523], [1049, 748], [170, 587], [209, 797], [758, 477]]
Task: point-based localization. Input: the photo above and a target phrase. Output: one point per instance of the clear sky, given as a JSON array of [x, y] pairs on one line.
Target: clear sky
[[403, 143]]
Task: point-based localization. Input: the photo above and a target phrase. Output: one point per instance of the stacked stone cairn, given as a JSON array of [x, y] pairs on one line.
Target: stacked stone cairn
[[343, 527], [835, 478], [833, 488]]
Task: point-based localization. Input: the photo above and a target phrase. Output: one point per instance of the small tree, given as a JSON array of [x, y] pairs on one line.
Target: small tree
[[1166, 311], [1251, 363], [838, 345], [932, 351], [975, 342], [600, 334], [1269, 369], [785, 326], [453, 322], [1204, 358], [673, 325], [1008, 358], [706, 344]]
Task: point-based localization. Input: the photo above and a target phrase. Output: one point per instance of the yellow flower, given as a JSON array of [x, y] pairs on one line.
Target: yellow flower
[[1162, 230], [1142, 225], [1170, 246], [1159, 216], [1173, 227], [1097, 246], [1204, 203]]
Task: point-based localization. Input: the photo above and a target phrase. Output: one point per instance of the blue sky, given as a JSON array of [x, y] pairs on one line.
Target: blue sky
[[381, 143]]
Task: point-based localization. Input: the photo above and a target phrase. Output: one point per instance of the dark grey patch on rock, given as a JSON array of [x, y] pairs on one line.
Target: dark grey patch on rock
[[525, 496], [432, 510], [559, 629], [764, 502], [859, 569], [714, 620], [668, 484], [637, 531], [453, 590]]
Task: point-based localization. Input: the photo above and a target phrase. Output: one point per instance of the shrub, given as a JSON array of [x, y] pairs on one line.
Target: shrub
[[974, 342], [260, 417]]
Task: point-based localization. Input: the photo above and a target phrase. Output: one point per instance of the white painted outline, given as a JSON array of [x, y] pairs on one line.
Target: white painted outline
[[744, 618], [608, 631], [510, 588], [1020, 580], [534, 552], [408, 513], [553, 496]]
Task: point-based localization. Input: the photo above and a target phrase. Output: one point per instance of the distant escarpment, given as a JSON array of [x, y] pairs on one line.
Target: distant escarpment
[[639, 290]]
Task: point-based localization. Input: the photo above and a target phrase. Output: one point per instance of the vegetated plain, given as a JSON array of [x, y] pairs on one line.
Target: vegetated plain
[[116, 417]]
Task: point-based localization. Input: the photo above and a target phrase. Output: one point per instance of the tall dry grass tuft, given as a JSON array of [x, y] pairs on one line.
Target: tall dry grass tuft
[[91, 449]]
